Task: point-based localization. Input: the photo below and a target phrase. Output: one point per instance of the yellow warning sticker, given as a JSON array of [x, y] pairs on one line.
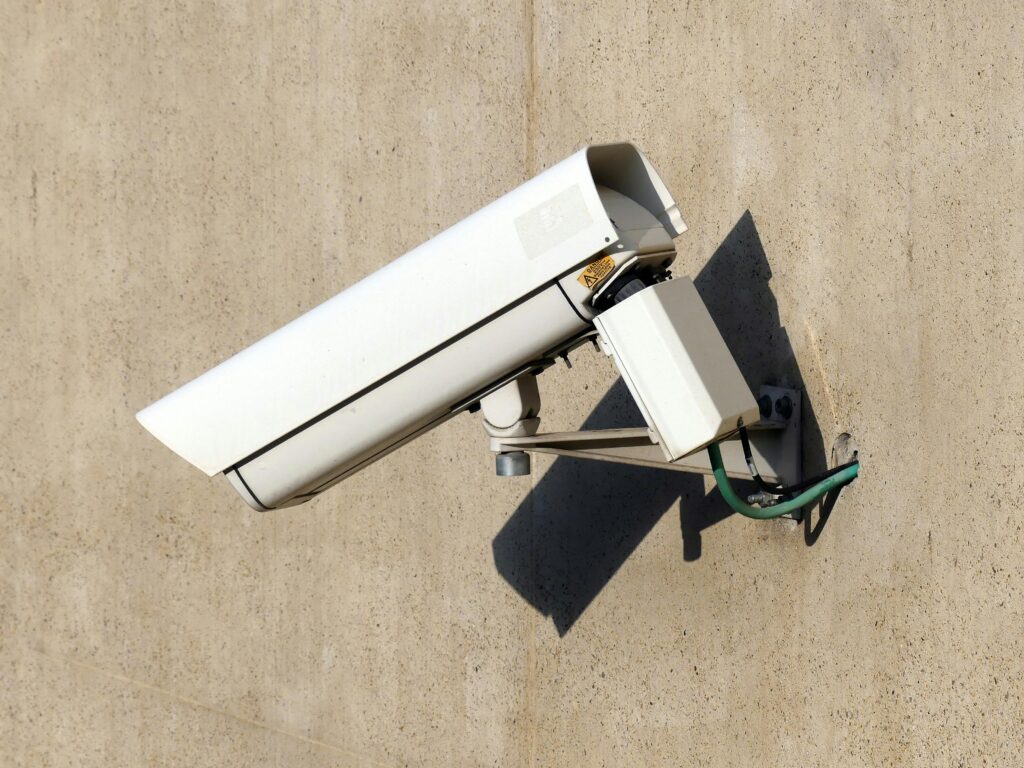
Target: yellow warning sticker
[[596, 271]]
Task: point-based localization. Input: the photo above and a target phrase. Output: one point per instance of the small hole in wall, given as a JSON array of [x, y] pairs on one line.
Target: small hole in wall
[[607, 239]]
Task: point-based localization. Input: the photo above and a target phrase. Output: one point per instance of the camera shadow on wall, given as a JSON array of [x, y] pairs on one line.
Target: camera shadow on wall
[[582, 521]]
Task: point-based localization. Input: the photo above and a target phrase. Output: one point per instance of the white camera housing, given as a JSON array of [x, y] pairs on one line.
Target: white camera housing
[[485, 303]]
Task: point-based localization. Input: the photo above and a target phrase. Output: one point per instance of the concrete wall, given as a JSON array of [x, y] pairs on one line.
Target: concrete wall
[[177, 179]]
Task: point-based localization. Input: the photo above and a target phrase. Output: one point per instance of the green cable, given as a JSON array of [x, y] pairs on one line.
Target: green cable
[[812, 494]]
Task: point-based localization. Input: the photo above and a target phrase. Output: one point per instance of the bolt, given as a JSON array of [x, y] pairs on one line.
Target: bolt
[[764, 404], [784, 407]]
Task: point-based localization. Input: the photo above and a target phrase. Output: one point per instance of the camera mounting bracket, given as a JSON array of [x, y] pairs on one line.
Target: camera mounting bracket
[[774, 442]]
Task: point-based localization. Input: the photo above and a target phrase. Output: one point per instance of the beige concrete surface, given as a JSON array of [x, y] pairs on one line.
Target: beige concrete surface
[[178, 179]]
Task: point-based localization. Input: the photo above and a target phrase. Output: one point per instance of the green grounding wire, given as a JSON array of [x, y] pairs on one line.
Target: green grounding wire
[[812, 494]]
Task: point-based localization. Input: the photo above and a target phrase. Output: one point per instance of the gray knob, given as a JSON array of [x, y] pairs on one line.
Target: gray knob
[[513, 464]]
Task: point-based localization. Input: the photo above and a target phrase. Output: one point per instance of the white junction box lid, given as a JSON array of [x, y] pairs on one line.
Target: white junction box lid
[[677, 366]]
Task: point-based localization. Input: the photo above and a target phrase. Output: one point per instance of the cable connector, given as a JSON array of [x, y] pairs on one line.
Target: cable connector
[[763, 499]]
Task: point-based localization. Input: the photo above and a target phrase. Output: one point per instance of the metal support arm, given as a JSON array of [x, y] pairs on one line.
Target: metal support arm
[[775, 444]]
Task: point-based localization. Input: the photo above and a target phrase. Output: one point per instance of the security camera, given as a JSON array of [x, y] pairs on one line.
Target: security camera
[[464, 322]]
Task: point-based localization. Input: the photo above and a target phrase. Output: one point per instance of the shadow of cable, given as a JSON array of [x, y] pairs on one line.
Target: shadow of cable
[[812, 530], [583, 520]]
